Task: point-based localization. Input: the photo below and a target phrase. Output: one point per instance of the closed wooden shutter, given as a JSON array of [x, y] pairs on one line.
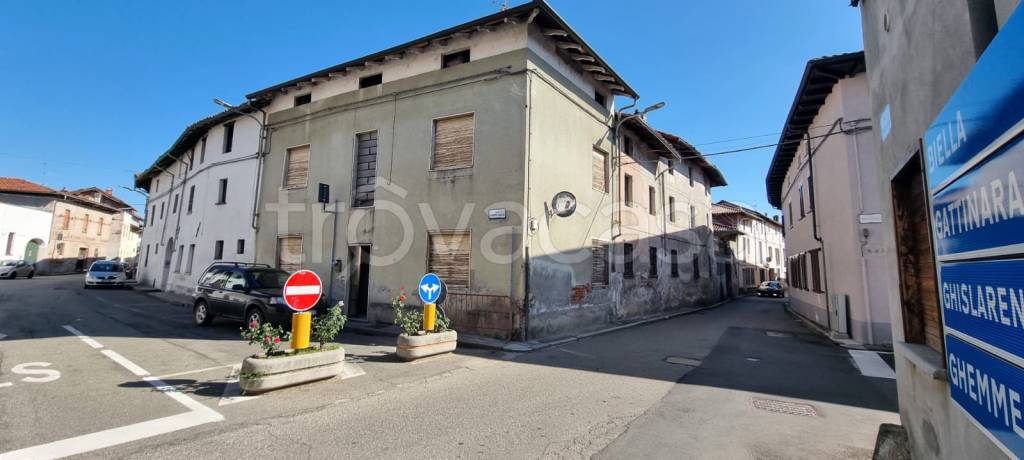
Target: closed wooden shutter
[[599, 171], [289, 253], [366, 169], [599, 263], [449, 258], [453, 142], [298, 167]]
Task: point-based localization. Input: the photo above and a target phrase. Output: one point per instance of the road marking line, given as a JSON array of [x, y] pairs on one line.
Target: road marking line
[[232, 390], [88, 340], [6, 384], [194, 371], [132, 367], [872, 365], [3, 336]]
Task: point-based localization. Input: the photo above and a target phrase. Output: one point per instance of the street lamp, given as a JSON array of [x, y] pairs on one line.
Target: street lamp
[[616, 162]]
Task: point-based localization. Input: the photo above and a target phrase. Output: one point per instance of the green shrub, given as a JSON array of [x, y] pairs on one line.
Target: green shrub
[[327, 326]]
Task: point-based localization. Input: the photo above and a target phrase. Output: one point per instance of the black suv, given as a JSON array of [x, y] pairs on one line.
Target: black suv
[[242, 292]]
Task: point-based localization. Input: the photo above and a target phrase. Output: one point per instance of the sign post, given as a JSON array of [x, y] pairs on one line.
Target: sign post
[[301, 293], [430, 288]]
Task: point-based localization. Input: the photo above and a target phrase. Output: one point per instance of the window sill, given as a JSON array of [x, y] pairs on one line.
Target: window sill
[[927, 361], [451, 173]]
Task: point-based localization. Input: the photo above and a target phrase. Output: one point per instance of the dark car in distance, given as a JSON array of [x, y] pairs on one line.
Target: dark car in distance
[[771, 289], [242, 292]]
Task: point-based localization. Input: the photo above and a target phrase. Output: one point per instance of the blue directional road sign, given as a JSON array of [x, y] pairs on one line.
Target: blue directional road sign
[[430, 288]]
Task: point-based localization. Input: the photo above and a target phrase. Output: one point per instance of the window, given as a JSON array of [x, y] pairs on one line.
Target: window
[[156, 186], [174, 207], [696, 267], [453, 142], [748, 276], [671, 167], [152, 215], [60, 250], [627, 190], [296, 171], [802, 211], [689, 174], [191, 257], [651, 198], [145, 263], [191, 158], [449, 258], [674, 259], [181, 254], [803, 271], [365, 180], [222, 191], [454, 59], [810, 194], [191, 197], [229, 136], [789, 215], [218, 250], [303, 99], [10, 244], [652, 262], [693, 217], [672, 209], [289, 253], [240, 247], [371, 80], [627, 260], [95, 252], [598, 263], [599, 171], [99, 231], [627, 145], [85, 222], [67, 219], [202, 151], [815, 270], [600, 98], [162, 206]]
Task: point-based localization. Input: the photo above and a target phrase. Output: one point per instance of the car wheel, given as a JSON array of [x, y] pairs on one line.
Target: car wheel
[[85, 286], [253, 315], [201, 314], [31, 274], [14, 275]]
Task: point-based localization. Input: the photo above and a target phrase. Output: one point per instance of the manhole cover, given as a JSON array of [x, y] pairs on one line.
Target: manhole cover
[[682, 360], [784, 407], [778, 334]]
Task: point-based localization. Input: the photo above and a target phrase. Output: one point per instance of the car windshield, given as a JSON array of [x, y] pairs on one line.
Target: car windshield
[[106, 267], [268, 279], [8, 263]]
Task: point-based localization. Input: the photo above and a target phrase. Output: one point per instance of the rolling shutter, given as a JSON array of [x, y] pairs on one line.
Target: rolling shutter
[[599, 171], [297, 168], [289, 253], [453, 142], [449, 258], [598, 263]]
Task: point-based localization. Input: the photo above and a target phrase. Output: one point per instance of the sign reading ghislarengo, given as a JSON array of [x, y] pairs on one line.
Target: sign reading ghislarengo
[[975, 171]]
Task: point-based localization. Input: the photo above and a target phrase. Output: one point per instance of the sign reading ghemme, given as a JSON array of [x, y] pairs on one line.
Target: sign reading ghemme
[[988, 106], [990, 390], [985, 301]]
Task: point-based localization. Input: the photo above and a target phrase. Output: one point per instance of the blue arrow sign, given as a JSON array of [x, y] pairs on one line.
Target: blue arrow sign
[[430, 288]]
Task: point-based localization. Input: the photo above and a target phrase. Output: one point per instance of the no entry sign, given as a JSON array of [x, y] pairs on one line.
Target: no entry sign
[[302, 290]]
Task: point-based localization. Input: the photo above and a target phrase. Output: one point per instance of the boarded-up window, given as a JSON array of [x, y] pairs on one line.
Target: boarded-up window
[[297, 167], [67, 218], [366, 169], [453, 142], [449, 258], [599, 171], [599, 263], [289, 253]]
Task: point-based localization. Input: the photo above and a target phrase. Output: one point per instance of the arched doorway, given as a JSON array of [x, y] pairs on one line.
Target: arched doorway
[[32, 250], [168, 255]]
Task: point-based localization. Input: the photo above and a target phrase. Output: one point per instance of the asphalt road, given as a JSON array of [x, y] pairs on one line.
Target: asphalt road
[[132, 377]]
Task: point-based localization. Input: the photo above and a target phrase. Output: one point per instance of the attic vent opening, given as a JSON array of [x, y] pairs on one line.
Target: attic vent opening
[[303, 99], [454, 59], [600, 98], [371, 80]]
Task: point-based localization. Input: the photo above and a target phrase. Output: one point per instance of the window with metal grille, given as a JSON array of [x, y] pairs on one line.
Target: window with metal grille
[[449, 258], [365, 179], [297, 167], [289, 252], [652, 262], [453, 142], [627, 260], [599, 263], [599, 171]]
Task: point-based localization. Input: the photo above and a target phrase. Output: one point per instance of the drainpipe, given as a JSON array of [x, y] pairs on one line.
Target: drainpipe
[[814, 214], [860, 206], [616, 166], [264, 141]]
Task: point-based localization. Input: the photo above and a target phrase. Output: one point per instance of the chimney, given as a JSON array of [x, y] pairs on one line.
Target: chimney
[[775, 218], [110, 190]]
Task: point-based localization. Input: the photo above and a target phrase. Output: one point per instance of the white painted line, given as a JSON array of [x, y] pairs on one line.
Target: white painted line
[[302, 290], [85, 338], [125, 363], [872, 365], [349, 370], [6, 384], [3, 336], [194, 371], [233, 391]]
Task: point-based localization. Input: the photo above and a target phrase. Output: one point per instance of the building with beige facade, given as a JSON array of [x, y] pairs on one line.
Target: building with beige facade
[[453, 153], [823, 177], [755, 242]]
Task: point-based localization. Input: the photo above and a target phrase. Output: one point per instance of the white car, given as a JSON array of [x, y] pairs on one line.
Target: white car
[[105, 273], [15, 268]]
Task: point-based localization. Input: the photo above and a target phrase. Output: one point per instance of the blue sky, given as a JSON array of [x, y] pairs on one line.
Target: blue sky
[[97, 90]]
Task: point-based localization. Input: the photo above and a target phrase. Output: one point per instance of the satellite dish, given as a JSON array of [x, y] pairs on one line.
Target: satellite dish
[[563, 204]]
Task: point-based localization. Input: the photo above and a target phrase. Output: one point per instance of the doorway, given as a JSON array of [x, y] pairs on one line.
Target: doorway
[[80, 262], [168, 254], [32, 250], [359, 280]]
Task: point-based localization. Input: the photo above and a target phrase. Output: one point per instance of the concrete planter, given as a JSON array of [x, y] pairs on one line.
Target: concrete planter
[[264, 374], [412, 347]]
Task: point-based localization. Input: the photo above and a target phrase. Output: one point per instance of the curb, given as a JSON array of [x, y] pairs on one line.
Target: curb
[[848, 344]]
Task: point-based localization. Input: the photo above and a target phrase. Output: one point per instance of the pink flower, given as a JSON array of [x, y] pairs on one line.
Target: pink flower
[[402, 297], [253, 324], [277, 340], [266, 340]]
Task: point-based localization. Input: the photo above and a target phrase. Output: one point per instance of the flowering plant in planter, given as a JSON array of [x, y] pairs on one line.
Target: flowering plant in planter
[[411, 319], [266, 336]]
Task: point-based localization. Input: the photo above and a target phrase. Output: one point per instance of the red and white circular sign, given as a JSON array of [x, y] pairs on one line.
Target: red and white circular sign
[[302, 290]]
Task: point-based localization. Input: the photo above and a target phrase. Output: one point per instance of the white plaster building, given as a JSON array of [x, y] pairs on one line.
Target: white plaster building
[[759, 245], [201, 201]]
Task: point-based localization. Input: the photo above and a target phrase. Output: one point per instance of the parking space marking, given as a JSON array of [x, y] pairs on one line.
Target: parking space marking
[[132, 367], [872, 365], [232, 390], [195, 371], [6, 384], [88, 340]]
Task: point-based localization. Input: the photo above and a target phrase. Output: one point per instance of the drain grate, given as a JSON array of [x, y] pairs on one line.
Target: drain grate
[[777, 334], [683, 360], [784, 407]]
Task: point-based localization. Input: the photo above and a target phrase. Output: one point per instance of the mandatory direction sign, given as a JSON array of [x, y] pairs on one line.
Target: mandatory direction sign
[[430, 288], [302, 290]]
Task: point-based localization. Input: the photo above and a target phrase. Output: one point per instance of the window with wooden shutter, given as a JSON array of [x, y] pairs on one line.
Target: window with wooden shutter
[[599, 263], [365, 179], [289, 253], [599, 171], [297, 167], [449, 258], [453, 142]]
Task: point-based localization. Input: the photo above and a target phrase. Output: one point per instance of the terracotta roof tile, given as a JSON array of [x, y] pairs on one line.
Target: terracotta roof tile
[[18, 185]]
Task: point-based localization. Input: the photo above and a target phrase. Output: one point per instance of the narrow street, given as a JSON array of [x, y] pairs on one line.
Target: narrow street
[[83, 369]]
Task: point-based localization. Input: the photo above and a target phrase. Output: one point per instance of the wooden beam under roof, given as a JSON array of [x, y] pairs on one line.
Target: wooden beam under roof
[[392, 57], [582, 57], [593, 68], [554, 32], [600, 77], [570, 45]]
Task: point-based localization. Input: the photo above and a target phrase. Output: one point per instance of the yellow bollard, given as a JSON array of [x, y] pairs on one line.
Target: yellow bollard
[[429, 317], [300, 330]]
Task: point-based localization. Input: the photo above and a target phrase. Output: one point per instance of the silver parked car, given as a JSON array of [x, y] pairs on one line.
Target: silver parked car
[[15, 268], [105, 273]]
